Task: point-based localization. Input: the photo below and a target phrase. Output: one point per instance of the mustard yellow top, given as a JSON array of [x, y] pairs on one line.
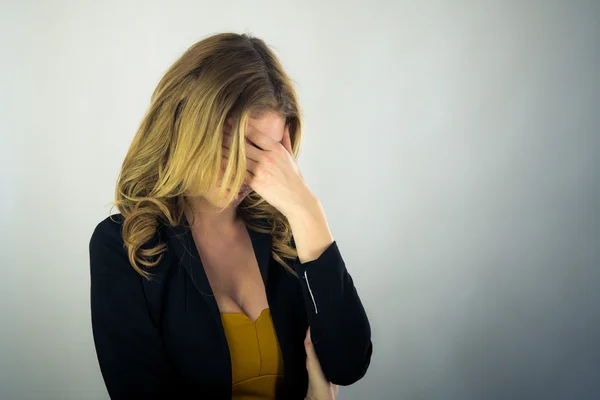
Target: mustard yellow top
[[256, 361]]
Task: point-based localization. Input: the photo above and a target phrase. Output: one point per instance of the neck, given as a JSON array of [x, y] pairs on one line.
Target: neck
[[206, 216]]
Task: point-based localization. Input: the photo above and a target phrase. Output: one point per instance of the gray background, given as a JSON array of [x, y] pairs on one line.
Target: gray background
[[453, 144]]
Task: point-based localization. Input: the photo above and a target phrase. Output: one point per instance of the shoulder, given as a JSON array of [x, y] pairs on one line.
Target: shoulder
[[108, 232], [109, 226], [108, 253]]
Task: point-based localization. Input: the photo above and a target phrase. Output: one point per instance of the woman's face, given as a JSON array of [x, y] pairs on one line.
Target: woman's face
[[269, 123]]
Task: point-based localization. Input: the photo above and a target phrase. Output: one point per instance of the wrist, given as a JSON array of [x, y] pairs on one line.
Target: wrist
[[309, 206]]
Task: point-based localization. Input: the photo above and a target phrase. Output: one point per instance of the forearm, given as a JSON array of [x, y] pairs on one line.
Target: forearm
[[340, 328], [310, 229]]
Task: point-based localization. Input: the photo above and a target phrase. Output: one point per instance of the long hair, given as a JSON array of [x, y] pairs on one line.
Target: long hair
[[176, 151]]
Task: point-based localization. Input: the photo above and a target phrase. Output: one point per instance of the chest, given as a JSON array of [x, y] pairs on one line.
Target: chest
[[195, 341], [233, 274], [188, 317]]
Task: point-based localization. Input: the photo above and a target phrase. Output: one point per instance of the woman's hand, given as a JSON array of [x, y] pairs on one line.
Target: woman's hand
[[319, 388], [272, 170]]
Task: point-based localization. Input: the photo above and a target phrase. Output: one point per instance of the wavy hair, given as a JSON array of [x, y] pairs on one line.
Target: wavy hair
[[176, 151]]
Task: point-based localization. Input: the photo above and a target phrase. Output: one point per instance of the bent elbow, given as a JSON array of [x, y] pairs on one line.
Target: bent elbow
[[350, 368]]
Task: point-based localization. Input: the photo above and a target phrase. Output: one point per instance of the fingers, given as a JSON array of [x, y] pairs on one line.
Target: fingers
[[252, 152], [250, 163], [255, 137], [312, 362], [251, 166]]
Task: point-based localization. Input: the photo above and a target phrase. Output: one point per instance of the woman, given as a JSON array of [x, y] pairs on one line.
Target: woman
[[216, 284]]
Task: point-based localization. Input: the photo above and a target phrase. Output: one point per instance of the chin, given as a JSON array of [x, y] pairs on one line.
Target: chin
[[238, 198]]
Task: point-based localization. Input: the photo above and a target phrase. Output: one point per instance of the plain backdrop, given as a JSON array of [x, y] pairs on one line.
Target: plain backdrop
[[454, 146]]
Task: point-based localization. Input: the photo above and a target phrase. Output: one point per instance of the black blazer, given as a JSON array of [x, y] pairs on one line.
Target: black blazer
[[164, 338]]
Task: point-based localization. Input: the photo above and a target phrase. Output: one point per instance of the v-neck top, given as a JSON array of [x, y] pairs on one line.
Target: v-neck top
[[256, 359]]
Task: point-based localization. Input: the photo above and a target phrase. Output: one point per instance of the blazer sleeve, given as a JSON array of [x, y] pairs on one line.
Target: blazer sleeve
[[128, 344], [339, 327]]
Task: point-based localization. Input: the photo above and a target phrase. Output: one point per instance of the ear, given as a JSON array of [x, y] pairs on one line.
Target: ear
[[287, 141]]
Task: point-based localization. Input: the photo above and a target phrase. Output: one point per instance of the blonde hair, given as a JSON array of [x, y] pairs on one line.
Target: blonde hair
[[176, 151]]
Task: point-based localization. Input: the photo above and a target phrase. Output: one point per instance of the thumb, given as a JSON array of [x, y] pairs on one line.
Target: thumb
[[312, 362], [318, 386]]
